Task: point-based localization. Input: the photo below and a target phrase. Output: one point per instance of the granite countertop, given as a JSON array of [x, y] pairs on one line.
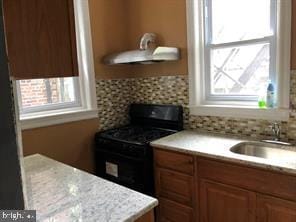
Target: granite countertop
[[218, 147], [62, 193]]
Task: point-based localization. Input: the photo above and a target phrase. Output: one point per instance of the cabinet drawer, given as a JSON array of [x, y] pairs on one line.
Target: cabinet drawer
[[175, 161], [262, 181], [175, 186], [169, 211]]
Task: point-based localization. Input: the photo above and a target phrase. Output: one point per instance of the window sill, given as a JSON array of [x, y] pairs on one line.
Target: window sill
[[51, 118], [241, 112]]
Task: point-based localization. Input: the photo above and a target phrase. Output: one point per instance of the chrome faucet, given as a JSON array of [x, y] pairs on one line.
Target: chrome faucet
[[276, 129]]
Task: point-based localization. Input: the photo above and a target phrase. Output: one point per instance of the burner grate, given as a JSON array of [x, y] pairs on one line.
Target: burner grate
[[137, 134]]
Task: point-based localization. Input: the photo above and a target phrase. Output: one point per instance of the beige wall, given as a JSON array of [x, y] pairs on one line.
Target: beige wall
[[109, 34], [119, 24], [166, 18], [70, 143]]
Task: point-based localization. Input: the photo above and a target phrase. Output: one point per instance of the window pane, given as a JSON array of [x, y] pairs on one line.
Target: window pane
[[240, 70], [235, 20], [40, 93]]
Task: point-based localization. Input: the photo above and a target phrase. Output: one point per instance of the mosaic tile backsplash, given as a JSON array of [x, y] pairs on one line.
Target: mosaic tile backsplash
[[114, 97]]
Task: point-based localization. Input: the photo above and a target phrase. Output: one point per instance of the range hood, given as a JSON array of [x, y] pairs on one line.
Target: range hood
[[147, 54]]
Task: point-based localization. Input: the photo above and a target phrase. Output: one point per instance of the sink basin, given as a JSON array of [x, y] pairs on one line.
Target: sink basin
[[265, 150]]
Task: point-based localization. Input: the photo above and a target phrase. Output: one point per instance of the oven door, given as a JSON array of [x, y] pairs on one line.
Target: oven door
[[131, 172]]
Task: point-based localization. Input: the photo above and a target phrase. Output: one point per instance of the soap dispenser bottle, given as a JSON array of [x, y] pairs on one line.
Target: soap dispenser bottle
[[270, 97]]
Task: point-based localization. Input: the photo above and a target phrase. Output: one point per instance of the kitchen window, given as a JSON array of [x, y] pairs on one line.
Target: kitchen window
[[235, 48], [39, 95], [44, 102]]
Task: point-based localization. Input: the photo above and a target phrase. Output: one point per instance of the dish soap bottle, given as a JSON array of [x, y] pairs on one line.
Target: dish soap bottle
[[262, 100], [270, 95]]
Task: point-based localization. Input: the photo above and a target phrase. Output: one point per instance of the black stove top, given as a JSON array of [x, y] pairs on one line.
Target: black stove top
[[136, 134], [124, 156]]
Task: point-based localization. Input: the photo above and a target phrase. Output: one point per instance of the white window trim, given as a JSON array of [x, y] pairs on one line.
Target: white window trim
[[270, 38], [88, 108], [29, 111], [197, 103]]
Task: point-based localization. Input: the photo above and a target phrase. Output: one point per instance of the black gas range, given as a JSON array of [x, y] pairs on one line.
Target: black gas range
[[124, 156]]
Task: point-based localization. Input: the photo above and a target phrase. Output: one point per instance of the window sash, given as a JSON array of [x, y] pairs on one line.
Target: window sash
[[50, 107], [209, 46], [234, 97]]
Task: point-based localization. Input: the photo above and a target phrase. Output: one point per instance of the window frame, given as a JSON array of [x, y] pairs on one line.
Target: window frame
[[49, 107], [200, 104], [86, 81], [209, 46]]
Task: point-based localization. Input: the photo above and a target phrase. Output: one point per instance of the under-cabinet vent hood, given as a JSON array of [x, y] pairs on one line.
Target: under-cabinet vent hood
[[147, 54]]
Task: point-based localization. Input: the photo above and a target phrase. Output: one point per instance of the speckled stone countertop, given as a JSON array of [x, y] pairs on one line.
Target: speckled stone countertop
[[62, 193], [218, 147]]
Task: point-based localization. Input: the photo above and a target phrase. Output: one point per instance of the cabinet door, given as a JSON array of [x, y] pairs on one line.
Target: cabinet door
[[40, 36], [271, 209], [220, 202], [170, 211]]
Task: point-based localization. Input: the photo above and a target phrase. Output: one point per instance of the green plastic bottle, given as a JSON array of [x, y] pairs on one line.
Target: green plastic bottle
[[262, 101], [262, 104]]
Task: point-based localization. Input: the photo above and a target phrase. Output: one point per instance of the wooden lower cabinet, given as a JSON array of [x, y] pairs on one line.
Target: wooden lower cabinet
[[270, 209], [170, 211], [178, 162], [206, 190], [175, 186], [220, 202], [148, 217]]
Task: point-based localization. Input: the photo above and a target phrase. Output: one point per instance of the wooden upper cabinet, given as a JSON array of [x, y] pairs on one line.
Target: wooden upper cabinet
[[40, 36]]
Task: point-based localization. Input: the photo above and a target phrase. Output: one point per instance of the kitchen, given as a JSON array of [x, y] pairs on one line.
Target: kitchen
[[187, 165]]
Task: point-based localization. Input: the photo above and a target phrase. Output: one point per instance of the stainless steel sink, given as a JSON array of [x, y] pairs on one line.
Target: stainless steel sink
[[265, 150]]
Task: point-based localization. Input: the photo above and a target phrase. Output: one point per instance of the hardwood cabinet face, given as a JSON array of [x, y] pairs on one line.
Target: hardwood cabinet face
[[40, 37], [271, 209], [174, 161], [175, 186], [199, 189], [170, 211], [220, 202]]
